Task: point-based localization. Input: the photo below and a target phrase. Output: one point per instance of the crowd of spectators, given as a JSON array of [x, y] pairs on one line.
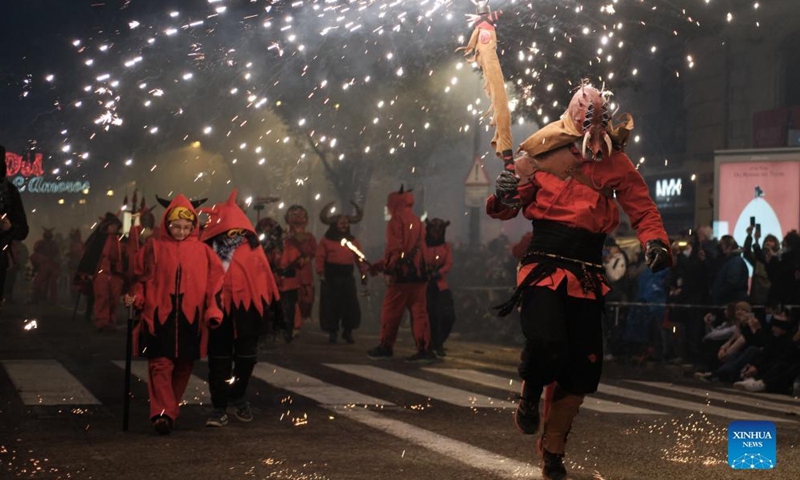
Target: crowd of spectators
[[729, 311]]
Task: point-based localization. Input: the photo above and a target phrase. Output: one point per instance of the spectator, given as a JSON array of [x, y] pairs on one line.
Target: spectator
[[740, 349], [719, 328], [687, 287], [13, 223], [758, 259], [786, 278], [776, 367], [730, 281]]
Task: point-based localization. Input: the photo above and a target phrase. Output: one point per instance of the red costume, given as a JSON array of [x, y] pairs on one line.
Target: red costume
[[403, 264], [177, 295], [47, 264], [108, 284], [439, 261], [248, 290], [284, 258], [297, 219], [335, 262], [571, 174]]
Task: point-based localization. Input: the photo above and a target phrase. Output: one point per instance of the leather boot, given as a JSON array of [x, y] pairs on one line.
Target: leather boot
[[527, 418], [557, 424]]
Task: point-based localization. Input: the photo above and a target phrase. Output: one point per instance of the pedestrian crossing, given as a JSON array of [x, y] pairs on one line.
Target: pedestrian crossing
[[48, 383]]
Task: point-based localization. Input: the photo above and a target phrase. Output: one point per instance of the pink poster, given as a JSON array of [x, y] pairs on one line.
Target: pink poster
[[768, 191]]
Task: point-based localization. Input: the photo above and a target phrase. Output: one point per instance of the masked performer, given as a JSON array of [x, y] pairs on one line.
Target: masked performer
[[177, 294], [439, 260], [297, 219], [404, 268], [335, 265], [283, 257], [567, 180], [47, 265], [248, 290]]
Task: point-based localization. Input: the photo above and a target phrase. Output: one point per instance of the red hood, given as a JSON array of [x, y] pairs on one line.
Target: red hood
[[225, 216], [397, 202], [178, 201]]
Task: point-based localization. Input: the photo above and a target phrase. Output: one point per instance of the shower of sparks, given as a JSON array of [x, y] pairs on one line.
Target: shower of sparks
[[359, 80], [31, 324]]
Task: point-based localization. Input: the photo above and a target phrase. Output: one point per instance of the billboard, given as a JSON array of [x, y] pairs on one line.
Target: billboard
[[760, 184]]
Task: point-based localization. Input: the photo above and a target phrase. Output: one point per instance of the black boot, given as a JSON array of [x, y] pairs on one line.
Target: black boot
[[527, 417], [553, 466], [332, 337]]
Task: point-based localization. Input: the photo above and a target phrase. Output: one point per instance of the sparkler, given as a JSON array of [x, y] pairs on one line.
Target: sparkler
[[361, 257]]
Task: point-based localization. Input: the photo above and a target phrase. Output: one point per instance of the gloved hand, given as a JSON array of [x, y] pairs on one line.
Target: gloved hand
[[506, 188], [657, 255]]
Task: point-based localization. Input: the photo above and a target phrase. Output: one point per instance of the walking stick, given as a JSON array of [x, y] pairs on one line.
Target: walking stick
[[126, 402]]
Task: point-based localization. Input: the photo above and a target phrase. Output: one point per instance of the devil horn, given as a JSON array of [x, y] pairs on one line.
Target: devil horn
[[197, 203], [358, 216], [163, 201], [324, 214]]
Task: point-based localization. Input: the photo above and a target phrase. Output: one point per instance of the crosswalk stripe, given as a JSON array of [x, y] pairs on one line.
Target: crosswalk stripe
[[726, 397], [474, 457], [455, 396], [47, 382], [683, 404], [196, 391], [313, 388], [494, 381]]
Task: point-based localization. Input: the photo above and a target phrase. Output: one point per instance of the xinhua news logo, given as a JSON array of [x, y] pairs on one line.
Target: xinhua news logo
[[751, 445]]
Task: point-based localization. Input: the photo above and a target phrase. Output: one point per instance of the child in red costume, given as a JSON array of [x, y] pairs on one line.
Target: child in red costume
[[248, 290], [439, 260], [177, 296], [297, 219], [45, 261], [403, 265]]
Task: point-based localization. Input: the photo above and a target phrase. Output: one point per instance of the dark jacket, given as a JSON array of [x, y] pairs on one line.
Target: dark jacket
[[11, 207], [730, 282]]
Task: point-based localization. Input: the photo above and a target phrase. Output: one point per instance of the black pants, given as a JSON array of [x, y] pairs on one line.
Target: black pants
[[564, 340], [288, 304], [338, 304], [441, 314], [232, 351]]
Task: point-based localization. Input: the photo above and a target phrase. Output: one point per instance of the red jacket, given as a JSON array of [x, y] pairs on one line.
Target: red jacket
[[405, 239], [547, 197], [188, 268], [248, 277], [286, 265], [439, 258], [307, 245], [331, 251]]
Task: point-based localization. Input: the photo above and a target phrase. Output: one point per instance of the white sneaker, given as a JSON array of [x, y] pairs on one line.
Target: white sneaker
[[750, 385]]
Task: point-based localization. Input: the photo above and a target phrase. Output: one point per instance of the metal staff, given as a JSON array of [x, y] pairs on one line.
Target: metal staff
[[126, 402]]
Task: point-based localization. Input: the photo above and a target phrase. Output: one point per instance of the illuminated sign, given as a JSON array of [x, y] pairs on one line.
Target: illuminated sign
[[667, 188], [28, 176]]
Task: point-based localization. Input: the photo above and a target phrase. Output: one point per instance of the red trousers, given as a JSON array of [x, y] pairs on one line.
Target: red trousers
[[399, 297], [45, 284], [305, 301], [107, 292], [167, 383]]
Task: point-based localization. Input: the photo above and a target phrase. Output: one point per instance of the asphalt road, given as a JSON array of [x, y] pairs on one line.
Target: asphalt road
[[328, 412]]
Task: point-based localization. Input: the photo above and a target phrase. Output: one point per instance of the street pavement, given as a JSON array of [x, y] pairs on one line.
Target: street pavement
[[328, 412]]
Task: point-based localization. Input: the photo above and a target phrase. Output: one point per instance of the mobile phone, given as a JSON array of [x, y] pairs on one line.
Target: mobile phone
[[758, 229], [752, 221]]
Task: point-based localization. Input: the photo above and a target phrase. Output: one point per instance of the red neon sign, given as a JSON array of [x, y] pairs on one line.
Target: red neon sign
[[18, 165]]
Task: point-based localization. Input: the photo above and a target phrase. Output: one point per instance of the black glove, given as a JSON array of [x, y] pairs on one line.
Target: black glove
[[506, 188], [657, 255]]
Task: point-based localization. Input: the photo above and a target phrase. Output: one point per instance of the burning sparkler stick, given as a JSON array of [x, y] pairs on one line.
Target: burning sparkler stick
[[361, 257]]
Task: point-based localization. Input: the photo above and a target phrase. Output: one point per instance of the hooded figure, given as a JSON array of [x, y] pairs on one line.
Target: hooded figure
[[572, 177], [284, 258], [439, 261], [297, 219], [177, 295], [47, 265], [109, 272], [404, 268], [13, 222], [335, 262], [248, 291]]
